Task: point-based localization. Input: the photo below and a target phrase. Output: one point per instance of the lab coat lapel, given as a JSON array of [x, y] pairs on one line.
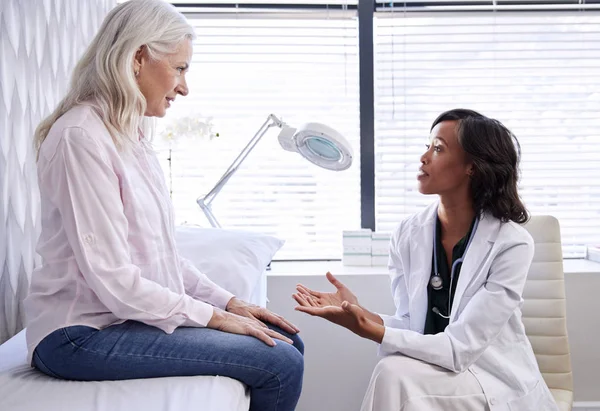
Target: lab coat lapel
[[474, 257], [421, 255]]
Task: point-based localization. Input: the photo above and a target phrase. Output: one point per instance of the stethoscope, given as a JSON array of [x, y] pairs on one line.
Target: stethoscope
[[436, 281]]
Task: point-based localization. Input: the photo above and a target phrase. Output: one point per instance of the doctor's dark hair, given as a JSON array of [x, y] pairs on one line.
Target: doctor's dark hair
[[495, 153]]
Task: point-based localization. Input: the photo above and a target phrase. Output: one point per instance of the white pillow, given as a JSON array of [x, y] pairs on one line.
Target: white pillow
[[235, 260]]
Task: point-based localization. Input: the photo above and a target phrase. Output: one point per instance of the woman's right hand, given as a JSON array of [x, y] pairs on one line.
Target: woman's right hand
[[235, 324], [321, 299]]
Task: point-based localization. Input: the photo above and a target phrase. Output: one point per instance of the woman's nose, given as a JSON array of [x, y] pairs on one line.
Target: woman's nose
[[182, 88]]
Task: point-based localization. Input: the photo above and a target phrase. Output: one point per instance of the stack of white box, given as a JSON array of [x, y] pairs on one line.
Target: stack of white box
[[356, 247], [380, 248]]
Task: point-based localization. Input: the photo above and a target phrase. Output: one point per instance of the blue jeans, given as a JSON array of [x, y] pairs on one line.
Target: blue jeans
[[136, 350]]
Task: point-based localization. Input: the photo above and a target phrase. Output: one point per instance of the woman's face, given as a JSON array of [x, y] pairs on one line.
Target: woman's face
[[161, 80], [444, 166]]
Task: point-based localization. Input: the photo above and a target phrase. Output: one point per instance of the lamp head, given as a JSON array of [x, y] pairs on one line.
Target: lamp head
[[319, 144]]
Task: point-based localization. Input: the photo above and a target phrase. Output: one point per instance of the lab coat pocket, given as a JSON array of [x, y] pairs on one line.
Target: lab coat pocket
[[528, 401], [538, 399]]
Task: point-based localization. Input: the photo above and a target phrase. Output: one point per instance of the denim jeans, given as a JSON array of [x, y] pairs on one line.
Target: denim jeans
[[136, 350]]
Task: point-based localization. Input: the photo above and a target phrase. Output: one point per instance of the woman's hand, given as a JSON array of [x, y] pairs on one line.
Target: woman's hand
[[260, 314], [235, 324], [306, 297], [349, 316], [321, 299]]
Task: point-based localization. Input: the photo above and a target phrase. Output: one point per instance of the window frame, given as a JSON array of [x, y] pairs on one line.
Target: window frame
[[366, 11]]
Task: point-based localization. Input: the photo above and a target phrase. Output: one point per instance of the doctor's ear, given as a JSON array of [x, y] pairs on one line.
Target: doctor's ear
[[470, 171]]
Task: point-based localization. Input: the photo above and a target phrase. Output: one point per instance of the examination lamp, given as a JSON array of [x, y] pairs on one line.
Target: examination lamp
[[318, 143]]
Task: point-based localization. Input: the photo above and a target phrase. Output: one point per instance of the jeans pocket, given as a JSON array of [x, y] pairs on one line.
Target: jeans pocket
[[77, 335]]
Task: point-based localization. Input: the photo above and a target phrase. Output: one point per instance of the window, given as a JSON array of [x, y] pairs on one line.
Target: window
[[246, 66], [531, 64], [537, 72]]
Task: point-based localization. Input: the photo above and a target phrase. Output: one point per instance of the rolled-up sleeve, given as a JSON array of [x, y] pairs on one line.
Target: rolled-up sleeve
[[85, 188]]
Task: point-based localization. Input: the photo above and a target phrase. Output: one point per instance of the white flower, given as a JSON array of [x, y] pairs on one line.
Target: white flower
[[189, 127]]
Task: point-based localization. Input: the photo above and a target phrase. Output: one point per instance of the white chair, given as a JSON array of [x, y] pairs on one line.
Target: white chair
[[544, 310]]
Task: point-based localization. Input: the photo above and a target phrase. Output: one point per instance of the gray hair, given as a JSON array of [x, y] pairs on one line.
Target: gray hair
[[105, 72]]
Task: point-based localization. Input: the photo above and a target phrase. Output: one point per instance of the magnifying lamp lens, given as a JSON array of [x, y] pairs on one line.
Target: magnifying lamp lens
[[323, 148]]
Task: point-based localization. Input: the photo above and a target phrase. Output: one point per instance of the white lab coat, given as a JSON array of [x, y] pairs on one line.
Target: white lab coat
[[485, 334]]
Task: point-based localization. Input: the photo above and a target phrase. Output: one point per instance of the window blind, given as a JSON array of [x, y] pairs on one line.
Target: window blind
[[244, 67], [485, 5], [535, 71], [269, 3]]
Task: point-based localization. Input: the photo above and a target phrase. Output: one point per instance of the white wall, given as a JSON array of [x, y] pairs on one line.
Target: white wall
[[40, 43], [338, 364]]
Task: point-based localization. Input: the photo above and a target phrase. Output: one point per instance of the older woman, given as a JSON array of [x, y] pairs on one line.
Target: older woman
[[458, 268], [113, 299]]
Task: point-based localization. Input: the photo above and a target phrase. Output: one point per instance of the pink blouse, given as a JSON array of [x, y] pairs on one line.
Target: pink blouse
[[107, 240]]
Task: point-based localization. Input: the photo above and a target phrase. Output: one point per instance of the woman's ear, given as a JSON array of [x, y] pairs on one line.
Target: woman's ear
[[470, 170], [138, 60]]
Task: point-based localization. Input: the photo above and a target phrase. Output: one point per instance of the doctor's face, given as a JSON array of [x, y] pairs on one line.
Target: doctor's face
[[444, 166]]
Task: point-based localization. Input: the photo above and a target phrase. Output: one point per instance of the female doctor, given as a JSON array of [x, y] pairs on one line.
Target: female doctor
[[458, 268]]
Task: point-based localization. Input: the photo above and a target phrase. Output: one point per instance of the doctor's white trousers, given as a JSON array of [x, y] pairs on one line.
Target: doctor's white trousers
[[401, 383]]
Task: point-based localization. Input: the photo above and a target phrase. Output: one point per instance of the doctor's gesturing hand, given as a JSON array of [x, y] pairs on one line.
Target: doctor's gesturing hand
[[341, 308]]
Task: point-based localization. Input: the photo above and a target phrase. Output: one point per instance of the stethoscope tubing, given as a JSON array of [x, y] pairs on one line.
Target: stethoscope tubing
[[454, 265]]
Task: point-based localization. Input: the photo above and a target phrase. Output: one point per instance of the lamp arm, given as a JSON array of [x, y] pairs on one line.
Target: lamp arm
[[205, 201]]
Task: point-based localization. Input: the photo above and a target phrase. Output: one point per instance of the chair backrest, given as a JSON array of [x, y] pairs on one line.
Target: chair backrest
[[544, 309]]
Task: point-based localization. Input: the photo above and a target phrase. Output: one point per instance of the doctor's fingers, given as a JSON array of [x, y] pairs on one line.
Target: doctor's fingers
[[323, 312], [311, 300], [307, 291], [301, 301], [333, 280], [304, 300], [309, 310]]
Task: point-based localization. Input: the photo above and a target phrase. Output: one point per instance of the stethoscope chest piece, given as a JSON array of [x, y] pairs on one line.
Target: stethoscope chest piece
[[436, 282]]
